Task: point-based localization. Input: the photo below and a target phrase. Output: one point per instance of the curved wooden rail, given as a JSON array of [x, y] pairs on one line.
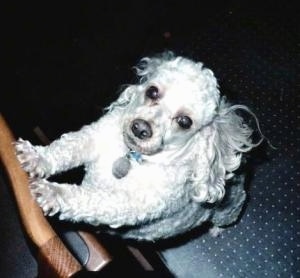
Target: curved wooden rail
[[54, 259]]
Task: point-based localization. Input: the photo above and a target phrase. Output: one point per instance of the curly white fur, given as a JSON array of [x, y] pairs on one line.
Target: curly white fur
[[182, 170]]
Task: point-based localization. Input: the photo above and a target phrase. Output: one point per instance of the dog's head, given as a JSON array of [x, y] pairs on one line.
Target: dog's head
[[175, 98], [177, 105]]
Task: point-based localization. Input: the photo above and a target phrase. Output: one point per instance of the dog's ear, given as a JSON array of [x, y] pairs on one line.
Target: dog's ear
[[144, 70], [124, 99], [227, 137], [148, 66]]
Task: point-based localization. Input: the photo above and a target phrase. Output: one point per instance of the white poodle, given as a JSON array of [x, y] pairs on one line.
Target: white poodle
[[159, 162]]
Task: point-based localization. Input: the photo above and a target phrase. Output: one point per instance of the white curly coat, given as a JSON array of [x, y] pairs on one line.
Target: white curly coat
[[180, 182]]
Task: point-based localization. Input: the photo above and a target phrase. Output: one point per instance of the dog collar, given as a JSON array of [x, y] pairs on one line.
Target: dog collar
[[135, 156], [122, 165]]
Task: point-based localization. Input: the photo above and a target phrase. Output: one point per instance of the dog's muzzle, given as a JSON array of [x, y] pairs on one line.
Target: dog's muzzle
[[141, 129]]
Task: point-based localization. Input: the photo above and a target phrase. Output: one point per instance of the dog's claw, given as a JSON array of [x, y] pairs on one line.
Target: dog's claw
[[45, 195], [29, 158]]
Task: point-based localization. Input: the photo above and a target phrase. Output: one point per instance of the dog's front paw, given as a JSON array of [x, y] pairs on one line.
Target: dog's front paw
[[30, 159], [46, 195]]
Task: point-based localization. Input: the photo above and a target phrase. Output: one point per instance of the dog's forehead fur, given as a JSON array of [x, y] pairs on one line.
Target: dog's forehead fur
[[178, 90], [186, 86]]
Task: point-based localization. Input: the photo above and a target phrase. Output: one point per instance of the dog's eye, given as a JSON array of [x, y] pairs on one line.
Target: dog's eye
[[153, 93], [184, 122]]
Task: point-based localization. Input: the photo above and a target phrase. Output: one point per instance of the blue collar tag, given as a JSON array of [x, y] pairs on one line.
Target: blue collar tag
[[135, 156]]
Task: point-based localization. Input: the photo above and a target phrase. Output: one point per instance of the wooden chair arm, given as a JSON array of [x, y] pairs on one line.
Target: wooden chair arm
[[52, 252]]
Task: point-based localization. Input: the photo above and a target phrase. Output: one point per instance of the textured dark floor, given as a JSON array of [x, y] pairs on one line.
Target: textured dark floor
[[65, 63]]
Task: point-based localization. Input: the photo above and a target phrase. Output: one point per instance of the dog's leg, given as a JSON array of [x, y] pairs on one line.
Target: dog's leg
[[94, 206], [71, 150], [230, 208]]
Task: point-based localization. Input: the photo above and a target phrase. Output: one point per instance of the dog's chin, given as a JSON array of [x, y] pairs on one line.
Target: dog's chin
[[143, 147]]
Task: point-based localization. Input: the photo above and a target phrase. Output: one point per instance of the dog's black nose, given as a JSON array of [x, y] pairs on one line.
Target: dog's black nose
[[141, 129]]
